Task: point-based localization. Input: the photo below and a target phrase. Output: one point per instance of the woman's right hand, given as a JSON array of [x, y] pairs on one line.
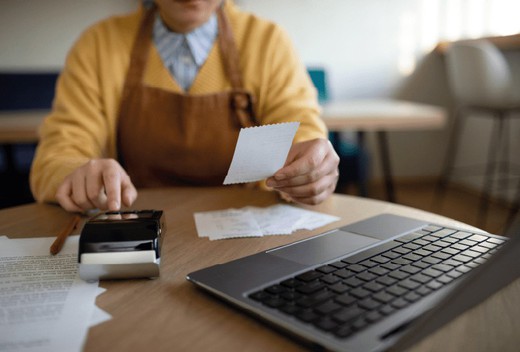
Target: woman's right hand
[[99, 183]]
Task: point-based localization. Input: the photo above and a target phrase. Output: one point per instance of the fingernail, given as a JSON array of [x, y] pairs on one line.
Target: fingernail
[[113, 205], [270, 183]]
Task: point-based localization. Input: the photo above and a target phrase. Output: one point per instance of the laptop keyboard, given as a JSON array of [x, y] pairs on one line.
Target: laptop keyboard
[[350, 294]]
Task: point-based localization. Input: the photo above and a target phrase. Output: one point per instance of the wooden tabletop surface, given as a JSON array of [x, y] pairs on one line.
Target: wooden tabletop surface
[[170, 314]]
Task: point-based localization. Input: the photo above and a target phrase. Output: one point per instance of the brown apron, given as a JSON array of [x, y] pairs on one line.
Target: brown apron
[[167, 138]]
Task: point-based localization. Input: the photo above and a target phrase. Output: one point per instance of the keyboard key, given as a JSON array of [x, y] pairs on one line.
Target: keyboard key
[[309, 276], [368, 263], [371, 252], [366, 276], [327, 307], [359, 323], [291, 283], [369, 304], [478, 238], [399, 275], [387, 310], [326, 269], [276, 289], [409, 237], [260, 296], [432, 273], [437, 270], [308, 302], [383, 297], [462, 258], [459, 247], [442, 243], [339, 287], [434, 285], [326, 324], [343, 331], [380, 259], [412, 257], [410, 269], [344, 273], [391, 255], [310, 287], [420, 278], [429, 238], [495, 240], [354, 282], [440, 255], [379, 271], [412, 297], [290, 309], [480, 249], [274, 302], [450, 250], [397, 291], [423, 290], [357, 268], [399, 303], [461, 235], [421, 242], [432, 248], [329, 279], [487, 244], [431, 260], [291, 295], [401, 261], [444, 279], [409, 284], [390, 266], [421, 264], [422, 252], [338, 265], [463, 268], [372, 317], [360, 293], [347, 314], [386, 280], [307, 315], [432, 228], [411, 246], [467, 242], [470, 253], [374, 286], [444, 232], [402, 250], [454, 274], [346, 299]]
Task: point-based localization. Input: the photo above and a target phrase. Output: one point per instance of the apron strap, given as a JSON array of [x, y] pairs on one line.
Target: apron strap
[[140, 50]]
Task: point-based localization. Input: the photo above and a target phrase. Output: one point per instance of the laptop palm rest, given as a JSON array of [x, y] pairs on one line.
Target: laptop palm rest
[[323, 248]]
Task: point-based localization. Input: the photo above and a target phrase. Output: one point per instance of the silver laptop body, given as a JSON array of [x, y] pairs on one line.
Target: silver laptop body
[[370, 241]]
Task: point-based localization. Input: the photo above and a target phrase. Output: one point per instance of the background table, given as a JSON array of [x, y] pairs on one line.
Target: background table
[[381, 116], [170, 314]]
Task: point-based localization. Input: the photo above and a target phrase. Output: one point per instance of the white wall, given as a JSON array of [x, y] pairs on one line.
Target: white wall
[[370, 48]]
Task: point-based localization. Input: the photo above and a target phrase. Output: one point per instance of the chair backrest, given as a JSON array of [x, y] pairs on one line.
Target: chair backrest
[[479, 74], [319, 79]]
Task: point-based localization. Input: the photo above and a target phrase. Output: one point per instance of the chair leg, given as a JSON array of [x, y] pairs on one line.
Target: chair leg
[[489, 177], [515, 209], [451, 152]]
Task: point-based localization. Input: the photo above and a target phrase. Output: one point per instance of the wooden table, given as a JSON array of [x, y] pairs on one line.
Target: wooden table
[[381, 116], [20, 126], [170, 314]]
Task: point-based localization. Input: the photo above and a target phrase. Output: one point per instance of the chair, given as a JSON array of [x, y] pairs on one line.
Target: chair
[[481, 82]]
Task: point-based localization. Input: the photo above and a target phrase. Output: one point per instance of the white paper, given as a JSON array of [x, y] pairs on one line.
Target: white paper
[[226, 224], [260, 152], [44, 305], [278, 219]]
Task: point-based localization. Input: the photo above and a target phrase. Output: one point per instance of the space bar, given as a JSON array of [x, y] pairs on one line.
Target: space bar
[[359, 257]]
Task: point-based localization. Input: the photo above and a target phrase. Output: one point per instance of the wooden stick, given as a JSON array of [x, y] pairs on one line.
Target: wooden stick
[[62, 236]]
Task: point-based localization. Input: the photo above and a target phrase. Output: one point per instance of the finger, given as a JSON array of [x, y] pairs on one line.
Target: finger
[[328, 166], [79, 192], [311, 189], [302, 165], [129, 193], [316, 199], [112, 182], [63, 196], [94, 188]]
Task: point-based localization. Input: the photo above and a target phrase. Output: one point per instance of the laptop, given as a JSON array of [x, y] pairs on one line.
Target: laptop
[[384, 282]]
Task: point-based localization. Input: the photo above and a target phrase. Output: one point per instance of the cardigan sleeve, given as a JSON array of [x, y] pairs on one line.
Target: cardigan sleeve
[[76, 130]]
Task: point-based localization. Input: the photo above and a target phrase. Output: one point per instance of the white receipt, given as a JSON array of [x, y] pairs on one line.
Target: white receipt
[[260, 152], [278, 219]]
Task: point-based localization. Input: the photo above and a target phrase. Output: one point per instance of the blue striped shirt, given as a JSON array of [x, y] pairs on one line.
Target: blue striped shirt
[[184, 54]]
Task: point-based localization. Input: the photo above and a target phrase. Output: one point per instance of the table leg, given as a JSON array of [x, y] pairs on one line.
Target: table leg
[[384, 153]]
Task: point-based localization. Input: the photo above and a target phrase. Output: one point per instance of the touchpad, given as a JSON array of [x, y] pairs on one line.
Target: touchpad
[[323, 248]]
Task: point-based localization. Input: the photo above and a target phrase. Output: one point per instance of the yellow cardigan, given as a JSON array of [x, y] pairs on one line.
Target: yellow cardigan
[[83, 121]]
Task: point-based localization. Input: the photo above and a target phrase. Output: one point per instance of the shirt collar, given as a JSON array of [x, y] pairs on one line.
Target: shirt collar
[[200, 40]]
